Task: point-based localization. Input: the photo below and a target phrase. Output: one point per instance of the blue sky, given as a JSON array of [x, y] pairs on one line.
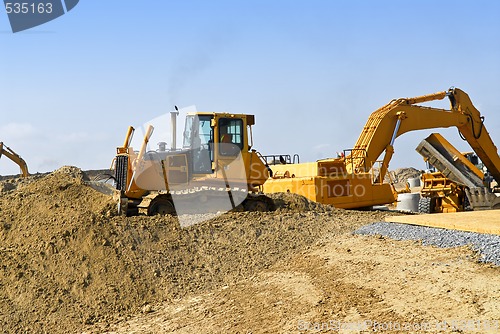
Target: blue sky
[[311, 72]]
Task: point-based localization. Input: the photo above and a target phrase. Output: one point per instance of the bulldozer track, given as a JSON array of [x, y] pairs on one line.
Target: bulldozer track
[[205, 199]]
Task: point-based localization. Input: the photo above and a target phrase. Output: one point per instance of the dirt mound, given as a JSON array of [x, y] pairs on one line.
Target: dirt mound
[[46, 230], [12, 183], [68, 262], [7, 186], [401, 175], [294, 202]]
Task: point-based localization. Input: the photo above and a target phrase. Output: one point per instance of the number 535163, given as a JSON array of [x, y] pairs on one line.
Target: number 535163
[[28, 8]]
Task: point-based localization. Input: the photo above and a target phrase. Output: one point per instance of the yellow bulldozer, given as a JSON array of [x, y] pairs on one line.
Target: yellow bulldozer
[[356, 180], [216, 169], [16, 158]]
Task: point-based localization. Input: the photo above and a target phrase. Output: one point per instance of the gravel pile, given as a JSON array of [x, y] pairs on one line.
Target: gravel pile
[[488, 245]]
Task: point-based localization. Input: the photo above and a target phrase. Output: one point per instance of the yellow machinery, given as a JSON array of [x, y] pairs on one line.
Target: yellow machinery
[[441, 194], [357, 180], [458, 173], [9, 153], [215, 165]]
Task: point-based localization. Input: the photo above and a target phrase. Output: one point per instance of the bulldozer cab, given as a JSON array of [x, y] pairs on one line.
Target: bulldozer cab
[[198, 136], [213, 137]]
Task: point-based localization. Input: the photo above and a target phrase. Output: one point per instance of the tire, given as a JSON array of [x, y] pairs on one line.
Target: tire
[[466, 203], [161, 206], [425, 205]]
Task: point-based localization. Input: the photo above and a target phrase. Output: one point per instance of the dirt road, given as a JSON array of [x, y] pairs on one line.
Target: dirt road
[[345, 283]]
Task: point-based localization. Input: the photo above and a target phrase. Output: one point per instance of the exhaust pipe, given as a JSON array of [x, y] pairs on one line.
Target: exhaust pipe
[[173, 121]]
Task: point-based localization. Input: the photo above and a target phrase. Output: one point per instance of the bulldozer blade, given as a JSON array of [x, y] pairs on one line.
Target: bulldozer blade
[[102, 187]]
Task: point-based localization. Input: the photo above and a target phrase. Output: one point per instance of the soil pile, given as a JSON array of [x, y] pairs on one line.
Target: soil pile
[[8, 183], [401, 175], [298, 203], [47, 234], [67, 261]]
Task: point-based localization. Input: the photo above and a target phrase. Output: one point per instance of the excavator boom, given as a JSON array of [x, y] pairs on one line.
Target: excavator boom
[[476, 134], [9, 153], [404, 115], [356, 180]]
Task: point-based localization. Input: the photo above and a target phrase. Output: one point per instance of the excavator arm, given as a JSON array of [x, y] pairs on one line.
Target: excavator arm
[[476, 134], [404, 115], [9, 153]]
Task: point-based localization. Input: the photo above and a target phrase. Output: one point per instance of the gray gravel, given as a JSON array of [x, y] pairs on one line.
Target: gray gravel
[[488, 245]]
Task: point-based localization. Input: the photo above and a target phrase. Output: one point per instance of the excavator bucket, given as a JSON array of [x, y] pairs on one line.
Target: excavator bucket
[[482, 199]]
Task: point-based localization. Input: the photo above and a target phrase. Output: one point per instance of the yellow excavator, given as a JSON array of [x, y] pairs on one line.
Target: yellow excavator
[[216, 169], [357, 179], [9, 153]]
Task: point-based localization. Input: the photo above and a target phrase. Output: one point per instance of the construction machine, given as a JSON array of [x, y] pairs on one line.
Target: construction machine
[[356, 180], [9, 153], [216, 169], [459, 176]]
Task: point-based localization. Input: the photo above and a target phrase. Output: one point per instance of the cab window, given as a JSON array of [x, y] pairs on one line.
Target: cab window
[[201, 144], [230, 132]]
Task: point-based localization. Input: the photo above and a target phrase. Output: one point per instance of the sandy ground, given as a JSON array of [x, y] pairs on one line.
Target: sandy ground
[[68, 264], [345, 283]]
